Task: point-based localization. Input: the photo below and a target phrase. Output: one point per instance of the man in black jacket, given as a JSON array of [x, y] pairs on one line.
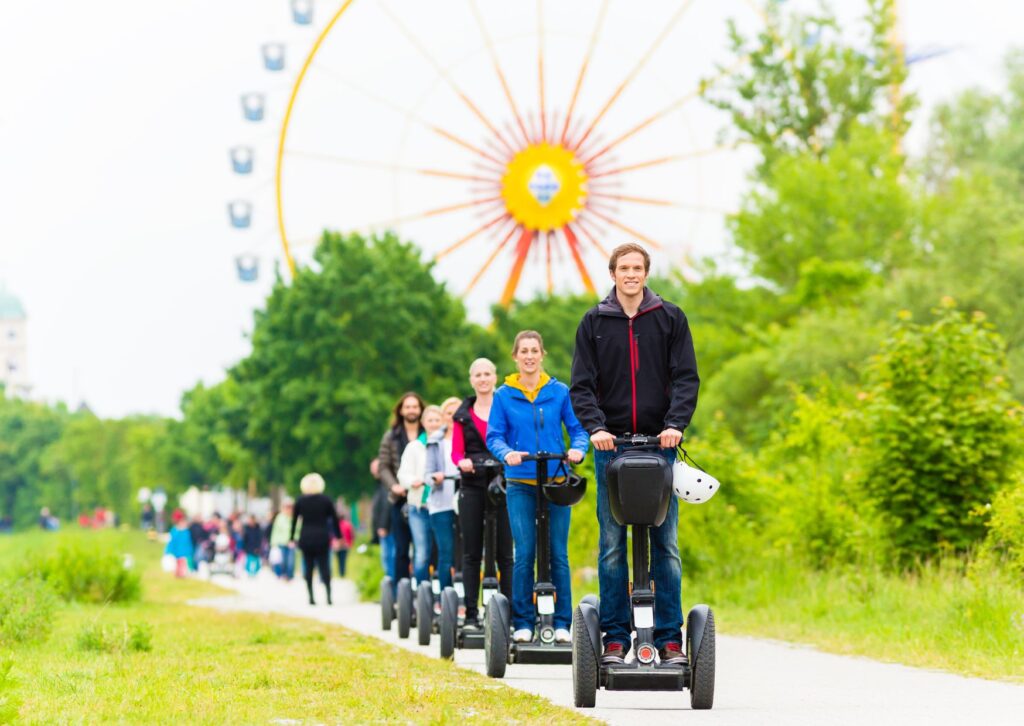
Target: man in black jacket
[[634, 371], [405, 426]]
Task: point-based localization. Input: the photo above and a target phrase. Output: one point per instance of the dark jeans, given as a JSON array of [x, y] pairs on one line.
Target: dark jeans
[[472, 501], [403, 540], [342, 560], [522, 516], [286, 568], [442, 524], [613, 567], [321, 561]]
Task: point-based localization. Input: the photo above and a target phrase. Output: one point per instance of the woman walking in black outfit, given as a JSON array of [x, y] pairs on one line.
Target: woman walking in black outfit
[[319, 525]]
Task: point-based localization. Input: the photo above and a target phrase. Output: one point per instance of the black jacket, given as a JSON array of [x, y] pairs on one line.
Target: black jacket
[[319, 522], [475, 446], [634, 375]]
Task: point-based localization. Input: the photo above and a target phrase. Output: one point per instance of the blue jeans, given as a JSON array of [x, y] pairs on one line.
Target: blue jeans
[[286, 568], [442, 524], [613, 567], [522, 513], [419, 523], [387, 555]]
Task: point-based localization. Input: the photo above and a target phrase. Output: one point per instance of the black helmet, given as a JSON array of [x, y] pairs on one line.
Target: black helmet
[[568, 491]]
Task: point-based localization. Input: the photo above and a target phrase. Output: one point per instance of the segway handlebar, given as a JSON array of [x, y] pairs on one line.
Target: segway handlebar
[[637, 440], [545, 456]]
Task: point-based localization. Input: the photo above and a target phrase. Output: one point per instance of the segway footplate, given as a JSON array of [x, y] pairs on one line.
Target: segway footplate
[[635, 677], [556, 653]]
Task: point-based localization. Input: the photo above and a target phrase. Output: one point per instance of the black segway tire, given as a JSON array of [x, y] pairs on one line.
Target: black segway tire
[[387, 603], [593, 600], [702, 668], [496, 635], [584, 663], [404, 606], [424, 612], [449, 622]]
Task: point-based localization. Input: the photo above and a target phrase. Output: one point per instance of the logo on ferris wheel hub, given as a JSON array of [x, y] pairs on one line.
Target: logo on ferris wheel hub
[[544, 184]]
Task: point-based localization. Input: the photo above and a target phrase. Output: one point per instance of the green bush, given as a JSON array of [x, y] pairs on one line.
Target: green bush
[[114, 638], [84, 571], [1005, 540], [365, 570], [942, 429], [26, 610]]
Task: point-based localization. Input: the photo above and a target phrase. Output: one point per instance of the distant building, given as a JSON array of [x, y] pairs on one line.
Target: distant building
[[13, 345]]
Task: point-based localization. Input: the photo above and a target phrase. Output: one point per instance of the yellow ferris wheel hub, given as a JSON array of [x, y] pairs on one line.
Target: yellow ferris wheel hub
[[544, 187]]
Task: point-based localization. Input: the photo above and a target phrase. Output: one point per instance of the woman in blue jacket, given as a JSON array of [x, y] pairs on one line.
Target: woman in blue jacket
[[527, 416]]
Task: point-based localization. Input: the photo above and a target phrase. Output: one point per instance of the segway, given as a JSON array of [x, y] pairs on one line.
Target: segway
[[387, 602], [498, 648], [452, 627], [639, 493]]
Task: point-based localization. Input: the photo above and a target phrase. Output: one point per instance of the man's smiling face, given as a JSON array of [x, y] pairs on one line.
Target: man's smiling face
[[629, 274]]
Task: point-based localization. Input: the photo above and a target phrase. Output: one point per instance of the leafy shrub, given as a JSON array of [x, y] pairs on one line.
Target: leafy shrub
[[365, 571], [1005, 540], [10, 699], [113, 638], [26, 610], [86, 572], [943, 428]]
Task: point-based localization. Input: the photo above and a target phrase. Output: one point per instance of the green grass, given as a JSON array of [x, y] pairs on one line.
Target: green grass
[[204, 666]]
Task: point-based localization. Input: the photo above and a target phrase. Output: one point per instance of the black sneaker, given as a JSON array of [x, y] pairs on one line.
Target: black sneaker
[[672, 654], [472, 623], [614, 654]]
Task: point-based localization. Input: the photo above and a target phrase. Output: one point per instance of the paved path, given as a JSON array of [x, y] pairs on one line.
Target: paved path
[[758, 681]]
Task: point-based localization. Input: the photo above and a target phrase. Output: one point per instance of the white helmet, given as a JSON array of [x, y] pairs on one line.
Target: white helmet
[[692, 485]]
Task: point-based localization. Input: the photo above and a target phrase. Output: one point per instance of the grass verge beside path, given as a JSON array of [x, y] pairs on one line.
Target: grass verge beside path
[[211, 667]]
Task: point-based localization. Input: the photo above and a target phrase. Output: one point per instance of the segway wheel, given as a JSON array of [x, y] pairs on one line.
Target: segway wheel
[[387, 603], [702, 668], [449, 622], [592, 600], [584, 663], [404, 607], [424, 612], [496, 637]]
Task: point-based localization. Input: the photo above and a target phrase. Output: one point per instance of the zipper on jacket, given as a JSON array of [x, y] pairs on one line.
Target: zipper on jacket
[[632, 368]]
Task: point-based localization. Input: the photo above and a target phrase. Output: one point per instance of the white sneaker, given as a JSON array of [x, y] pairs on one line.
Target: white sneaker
[[522, 636], [562, 636]]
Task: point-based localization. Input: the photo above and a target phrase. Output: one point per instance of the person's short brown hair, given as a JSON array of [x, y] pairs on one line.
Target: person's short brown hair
[[527, 335], [625, 250]]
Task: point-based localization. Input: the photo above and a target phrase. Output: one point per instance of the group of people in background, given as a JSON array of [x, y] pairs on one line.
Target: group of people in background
[[428, 450]]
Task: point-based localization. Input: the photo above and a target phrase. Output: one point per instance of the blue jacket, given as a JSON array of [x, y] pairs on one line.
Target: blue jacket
[[516, 424]]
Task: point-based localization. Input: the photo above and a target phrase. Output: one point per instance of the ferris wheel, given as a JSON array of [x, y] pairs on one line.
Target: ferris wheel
[[515, 143]]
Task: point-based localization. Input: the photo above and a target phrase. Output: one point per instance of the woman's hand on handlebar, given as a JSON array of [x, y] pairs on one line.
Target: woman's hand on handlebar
[[466, 465], [603, 441], [575, 456], [438, 477], [514, 458]]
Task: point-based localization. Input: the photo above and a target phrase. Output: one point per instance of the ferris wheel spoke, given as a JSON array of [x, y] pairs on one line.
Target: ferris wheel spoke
[[661, 202], [662, 160], [591, 237], [427, 214], [406, 113], [583, 69], [547, 260], [635, 71], [540, 87], [674, 106], [463, 240], [526, 237], [385, 166], [574, 249], [441, 71], [490, 260], [497, 69], [628, 230]]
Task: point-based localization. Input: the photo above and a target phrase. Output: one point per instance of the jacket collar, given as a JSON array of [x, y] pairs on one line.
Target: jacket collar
[[611, 305], [512, 381]]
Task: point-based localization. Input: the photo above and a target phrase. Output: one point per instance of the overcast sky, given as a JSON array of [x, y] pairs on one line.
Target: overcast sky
[[116, 117]]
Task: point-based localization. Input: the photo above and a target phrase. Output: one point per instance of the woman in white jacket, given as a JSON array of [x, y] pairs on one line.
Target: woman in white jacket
[[419, 480]]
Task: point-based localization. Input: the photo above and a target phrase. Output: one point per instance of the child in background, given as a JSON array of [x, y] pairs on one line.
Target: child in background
[[179, 546]]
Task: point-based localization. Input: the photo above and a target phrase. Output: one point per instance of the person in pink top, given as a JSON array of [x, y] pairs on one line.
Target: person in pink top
[[347, 536], [468, 450]]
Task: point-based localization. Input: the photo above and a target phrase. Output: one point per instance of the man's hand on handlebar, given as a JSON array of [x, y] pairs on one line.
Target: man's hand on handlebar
[[466, 465], [398, 490], [575, 456], [514, 458], [603, 441], [670, 438]]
